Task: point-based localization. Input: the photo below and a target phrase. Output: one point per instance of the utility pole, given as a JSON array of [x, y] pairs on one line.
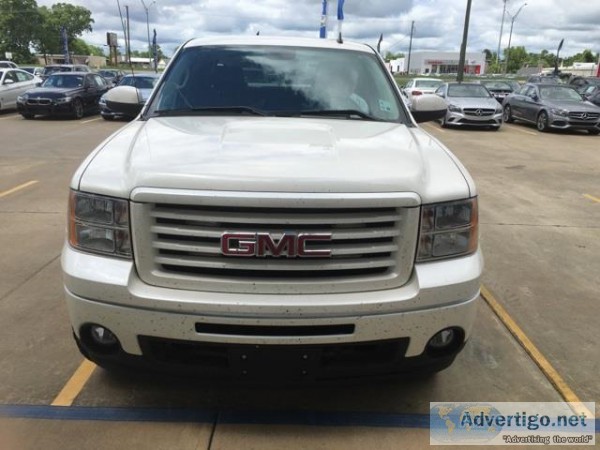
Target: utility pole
[[500, 38], [148, 27], [463, 47], [128, 37], [412, 30]]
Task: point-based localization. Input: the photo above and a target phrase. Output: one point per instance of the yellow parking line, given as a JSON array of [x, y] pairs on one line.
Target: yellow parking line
[[520, 130], [550, 372], [592, 198], [75, 384], [91, 120], [18, 188]]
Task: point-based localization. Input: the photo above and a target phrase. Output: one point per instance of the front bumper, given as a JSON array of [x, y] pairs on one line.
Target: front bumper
[[107, 292], [567, 123], [461, 119], [49, 109]]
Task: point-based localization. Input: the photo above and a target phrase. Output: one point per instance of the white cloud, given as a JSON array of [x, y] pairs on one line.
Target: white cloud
[[438, 23]]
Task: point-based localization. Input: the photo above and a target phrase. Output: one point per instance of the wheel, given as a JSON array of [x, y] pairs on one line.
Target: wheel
[[77, 109], [27, 116], [443, 122], [507, 116], [594, 132], [542, 122]]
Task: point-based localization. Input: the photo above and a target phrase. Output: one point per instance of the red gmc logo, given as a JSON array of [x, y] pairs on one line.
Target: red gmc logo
[[290, 245]]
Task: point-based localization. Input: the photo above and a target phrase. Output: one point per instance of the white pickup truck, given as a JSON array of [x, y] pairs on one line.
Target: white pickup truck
[[274, 211]]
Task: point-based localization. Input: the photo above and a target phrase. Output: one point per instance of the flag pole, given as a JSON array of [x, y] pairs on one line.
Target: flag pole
[[323, 29]]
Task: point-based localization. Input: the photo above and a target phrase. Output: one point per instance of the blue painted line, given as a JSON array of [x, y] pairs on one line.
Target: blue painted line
[[329, 419], [236, 417]]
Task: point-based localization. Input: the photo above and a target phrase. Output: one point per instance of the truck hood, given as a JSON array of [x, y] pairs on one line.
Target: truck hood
[[273, 155]]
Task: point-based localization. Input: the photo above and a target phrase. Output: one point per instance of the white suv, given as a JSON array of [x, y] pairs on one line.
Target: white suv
[[275, 211]]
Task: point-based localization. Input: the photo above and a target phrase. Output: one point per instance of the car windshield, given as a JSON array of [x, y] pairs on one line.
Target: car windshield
[[108, 73], [52, 69], [427, 83], [286, 81], [497, 85], [467, 90], [139, 82], [64, 81], [559, 93]]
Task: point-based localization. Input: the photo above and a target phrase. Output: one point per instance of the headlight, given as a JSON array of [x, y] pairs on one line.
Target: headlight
[[448, 229], [454, 108], [102, 101], [499, 109], [22, 99], [63, 100], [560, 112], [99, 224]]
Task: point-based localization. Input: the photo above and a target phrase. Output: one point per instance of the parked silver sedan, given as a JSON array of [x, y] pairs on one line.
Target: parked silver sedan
[[470, 104], [14, 82], [552, 106]]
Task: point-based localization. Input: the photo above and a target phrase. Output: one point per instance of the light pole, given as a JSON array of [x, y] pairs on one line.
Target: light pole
[[500, 38], [148, 27], [512, 22]]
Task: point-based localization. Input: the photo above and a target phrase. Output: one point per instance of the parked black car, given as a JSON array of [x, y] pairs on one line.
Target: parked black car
[[557, 106], [582, 83], [498, 88], [72, 94], [545, 79], [112, 76], [592, 94]]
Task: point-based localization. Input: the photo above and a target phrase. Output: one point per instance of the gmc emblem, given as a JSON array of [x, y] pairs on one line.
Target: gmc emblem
[[290, 245]]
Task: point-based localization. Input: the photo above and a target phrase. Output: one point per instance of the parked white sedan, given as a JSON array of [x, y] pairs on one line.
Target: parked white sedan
[[420, 86], [14, 82]]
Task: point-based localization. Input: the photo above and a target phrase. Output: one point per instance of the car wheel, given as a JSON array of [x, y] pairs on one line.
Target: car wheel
[[542, 122], [507, 116], [77, 109], [594, 132]]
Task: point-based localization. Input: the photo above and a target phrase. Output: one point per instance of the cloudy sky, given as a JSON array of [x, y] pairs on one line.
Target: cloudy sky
[[541, 24]]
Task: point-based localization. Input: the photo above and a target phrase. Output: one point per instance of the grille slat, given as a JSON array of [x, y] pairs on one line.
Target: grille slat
[[280, 264], [215, 249], [205, 232]]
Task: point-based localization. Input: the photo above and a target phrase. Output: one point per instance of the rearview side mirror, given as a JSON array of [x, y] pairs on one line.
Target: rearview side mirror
[[425, 108]]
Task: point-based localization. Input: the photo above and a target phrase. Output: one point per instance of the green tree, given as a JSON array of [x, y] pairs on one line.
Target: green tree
[[80, 47], [75, 19], [390, 56], [18, 21], [516, 58]]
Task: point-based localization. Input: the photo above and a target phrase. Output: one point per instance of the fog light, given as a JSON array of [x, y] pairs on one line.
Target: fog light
[[442, 339], [103, 336]]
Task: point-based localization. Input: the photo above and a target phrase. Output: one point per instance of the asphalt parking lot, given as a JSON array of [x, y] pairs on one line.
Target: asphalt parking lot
[[535, 338]]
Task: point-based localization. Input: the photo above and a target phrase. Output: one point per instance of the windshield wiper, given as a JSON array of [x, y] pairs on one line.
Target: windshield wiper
[[224, 110], [346, 113]]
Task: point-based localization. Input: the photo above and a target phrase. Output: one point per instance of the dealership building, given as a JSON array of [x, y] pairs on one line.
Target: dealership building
[[437, 63]]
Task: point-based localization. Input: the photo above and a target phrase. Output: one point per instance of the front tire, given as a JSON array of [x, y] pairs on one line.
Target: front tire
[[542, 122], [507, 116], [77, 109]]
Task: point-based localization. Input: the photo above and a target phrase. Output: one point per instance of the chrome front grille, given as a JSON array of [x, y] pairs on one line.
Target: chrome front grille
[[178, 243], [586, 116], [479, 112]]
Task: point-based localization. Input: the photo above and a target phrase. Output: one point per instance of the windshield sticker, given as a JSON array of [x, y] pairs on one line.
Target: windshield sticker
[[385, 106]]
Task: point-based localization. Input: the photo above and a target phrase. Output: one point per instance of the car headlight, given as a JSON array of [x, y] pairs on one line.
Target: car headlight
[[63, 100], [499, 109], [102, 101], [560, 112], [22, 99], [448, 229], [99, 224], [454, 108]]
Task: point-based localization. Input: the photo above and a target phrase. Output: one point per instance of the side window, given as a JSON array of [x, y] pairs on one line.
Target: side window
[[22, 76], [440, 90], [11, 75], [99, 82]]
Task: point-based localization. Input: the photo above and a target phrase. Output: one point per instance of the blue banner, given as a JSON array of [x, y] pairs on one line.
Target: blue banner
[[323, 29], [340, 11]]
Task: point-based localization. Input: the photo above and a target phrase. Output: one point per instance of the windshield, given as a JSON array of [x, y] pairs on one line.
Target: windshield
[[64, 81], [52, 69], [277, 81], [467, 90], [559, 93], [108, 73], [139, 82], [497, 85], [428, 83]]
